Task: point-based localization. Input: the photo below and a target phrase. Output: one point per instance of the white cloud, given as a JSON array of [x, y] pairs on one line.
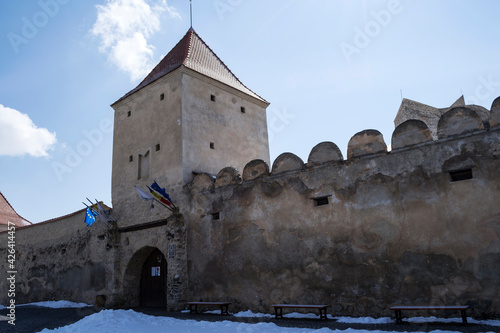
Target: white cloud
[[20, 136], [124, 27]]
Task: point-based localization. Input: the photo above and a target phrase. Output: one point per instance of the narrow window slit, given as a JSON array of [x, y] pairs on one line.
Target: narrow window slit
[[456, 176], [321, 201]]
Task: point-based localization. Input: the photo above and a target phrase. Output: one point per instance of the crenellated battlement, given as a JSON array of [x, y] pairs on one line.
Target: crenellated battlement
[[457, 122]]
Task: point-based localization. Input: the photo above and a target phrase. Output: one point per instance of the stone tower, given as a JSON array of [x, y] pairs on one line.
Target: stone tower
[[191, 114]]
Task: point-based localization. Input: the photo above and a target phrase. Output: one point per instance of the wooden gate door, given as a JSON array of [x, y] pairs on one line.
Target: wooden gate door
[[154, 280]]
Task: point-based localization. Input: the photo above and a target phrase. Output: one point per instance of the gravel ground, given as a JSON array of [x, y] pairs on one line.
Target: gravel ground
[[31, 319]]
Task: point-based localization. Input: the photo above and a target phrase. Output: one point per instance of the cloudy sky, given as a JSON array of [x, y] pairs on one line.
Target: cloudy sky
[[329, 69]]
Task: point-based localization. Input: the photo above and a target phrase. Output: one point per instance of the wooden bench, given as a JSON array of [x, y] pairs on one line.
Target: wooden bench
[[278, 309], [399, 308], [193, 306]]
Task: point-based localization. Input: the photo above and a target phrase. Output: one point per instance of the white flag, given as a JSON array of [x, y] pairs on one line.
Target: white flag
[[145, 196]]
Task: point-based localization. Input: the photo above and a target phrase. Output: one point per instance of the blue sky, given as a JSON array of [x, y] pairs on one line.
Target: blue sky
[[329, 69]]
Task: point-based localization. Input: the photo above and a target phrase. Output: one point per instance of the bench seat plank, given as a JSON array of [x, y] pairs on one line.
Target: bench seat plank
[[193, 306], [278, 309], [399, 308]]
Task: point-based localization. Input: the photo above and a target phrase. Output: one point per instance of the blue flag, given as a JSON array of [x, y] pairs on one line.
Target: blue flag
[[90, 217], [160, 190]]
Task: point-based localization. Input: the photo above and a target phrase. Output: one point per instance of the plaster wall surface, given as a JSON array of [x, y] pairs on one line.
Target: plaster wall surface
[[237, 135], [60, 259], [396, 231], [153, 121]]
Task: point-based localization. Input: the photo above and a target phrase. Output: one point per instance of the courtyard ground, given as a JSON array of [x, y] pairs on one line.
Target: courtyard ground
[[60, 317]]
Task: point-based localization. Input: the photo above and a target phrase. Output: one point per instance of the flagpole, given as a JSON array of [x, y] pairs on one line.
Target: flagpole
[[161, 203], [191, 12]]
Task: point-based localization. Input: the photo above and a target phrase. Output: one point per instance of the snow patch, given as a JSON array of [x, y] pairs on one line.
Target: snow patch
[[57, 304]]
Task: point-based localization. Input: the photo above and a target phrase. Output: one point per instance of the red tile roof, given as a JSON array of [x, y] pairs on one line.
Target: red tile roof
[[8, 214], [192, 52]]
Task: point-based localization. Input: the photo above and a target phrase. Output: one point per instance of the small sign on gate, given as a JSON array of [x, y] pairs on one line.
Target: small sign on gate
[[155, 271]]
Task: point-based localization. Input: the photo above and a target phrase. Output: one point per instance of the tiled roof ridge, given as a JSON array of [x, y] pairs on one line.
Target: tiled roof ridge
[[8, 203], [174, 60], [219, 59]]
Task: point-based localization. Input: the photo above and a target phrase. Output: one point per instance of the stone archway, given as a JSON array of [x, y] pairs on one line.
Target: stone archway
[[139, 279]]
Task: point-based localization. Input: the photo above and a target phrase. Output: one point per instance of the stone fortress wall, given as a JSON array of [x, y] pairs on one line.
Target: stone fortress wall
[[60, 259], [417, 225]]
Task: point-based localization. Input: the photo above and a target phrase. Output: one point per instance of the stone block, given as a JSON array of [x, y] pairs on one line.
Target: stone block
[[255, 169], [457, 121], [409, 133], [495, 113], [324, 152], [287, 162], [366, 142], [203, 181], [227, 176]]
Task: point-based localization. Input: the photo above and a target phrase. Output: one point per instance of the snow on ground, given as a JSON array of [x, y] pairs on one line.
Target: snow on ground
[[57, 304], [53, 304], [131, 321], [125, 321]]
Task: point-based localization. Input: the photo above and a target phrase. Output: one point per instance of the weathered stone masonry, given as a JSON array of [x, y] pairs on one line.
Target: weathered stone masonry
[[396, 229]]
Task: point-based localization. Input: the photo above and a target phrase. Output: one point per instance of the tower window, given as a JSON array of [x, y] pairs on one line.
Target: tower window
[[162, 97], [216, 216], [157, 147], [129, 113], [321, 201], [456, 176], [242, 109], [130, 158], [212, 98], [212, 145]]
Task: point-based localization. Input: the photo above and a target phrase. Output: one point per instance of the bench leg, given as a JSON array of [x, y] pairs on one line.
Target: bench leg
[[322, 314], [278, 312], [224, 309], [193, 307], [399, 317], [464, 317]]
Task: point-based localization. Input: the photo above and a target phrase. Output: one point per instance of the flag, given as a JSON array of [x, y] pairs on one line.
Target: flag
[[162, 191], [90, 217], [103, 214], [159, 197], [145, 196]]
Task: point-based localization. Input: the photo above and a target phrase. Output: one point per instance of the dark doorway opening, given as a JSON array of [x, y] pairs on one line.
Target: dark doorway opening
[[154, 280]]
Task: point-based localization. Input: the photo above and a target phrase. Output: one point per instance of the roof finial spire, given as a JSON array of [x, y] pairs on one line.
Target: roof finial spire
[[191, 12]]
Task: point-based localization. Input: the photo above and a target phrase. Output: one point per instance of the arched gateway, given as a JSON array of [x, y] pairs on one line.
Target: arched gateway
[[153, 286], [146, 278]]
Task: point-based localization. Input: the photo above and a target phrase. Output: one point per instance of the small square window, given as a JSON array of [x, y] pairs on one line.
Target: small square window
[[242, 109], [212, 145], [456, 176], [212, 98], [157, 147], [321, 201], [129, 113], [215, 216], [130, 158], [162, 97]]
